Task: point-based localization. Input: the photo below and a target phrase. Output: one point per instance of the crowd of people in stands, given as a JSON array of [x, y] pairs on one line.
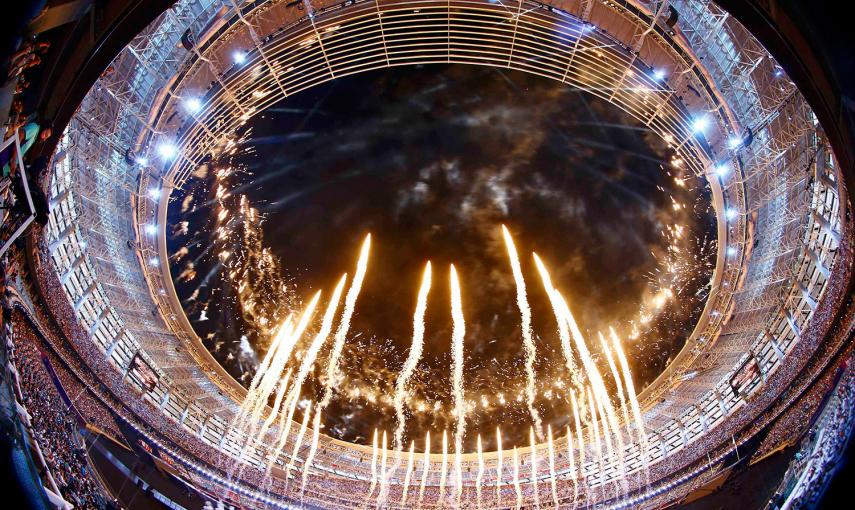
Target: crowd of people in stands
[[813, 466], [794, 422], [53, 426]]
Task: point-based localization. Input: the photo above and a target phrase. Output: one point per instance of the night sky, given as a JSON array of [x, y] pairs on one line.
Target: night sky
[[432, 160]]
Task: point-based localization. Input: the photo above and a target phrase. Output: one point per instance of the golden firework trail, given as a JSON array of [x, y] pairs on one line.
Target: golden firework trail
[[458, 475], [413, 358], [516, 479], [344, 324], [410, 462], [623, 404], [299, 441], [251, 433], [319, 340], [499, 466], [316, 429], [480, 475], [597, 385], [563, 331], [281, 333], [249, 401], [458, 334], [311, 355], [633, 399], [284, 353], [290, 408], [278, 364], [572, 464], [607, 437], [617, 379], [579, 436], [598, 447], [533, 459], [581, 439], [290, 341], [284, 427], [425, 468], [284, 346], [552, 480], [277, 403], [528, 342], [374, 451], [384, 452], [443, 470]]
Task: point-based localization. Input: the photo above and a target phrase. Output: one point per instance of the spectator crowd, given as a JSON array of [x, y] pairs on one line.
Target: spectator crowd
[[813, 466], [53, 426]]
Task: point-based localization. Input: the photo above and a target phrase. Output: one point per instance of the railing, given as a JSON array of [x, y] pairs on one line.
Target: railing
[[16, 422], [13, 145]]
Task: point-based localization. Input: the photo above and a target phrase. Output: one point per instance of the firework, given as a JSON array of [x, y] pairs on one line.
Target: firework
[[498, 466], [344, 325], [425, 468], [597, 385], [563, 331], [284, 427], [384, 452], [373, 466], [320, 338], [480, 475], [617, 379], [299, 441], [533, 459], [516, 479], [248, 403], [316, 429], [458, 334], [633, 400], [311, 354], [409, 473], [572, 464], [443, 470], [525, 317], [277, 403], [414, 356], [595, 433], [277, 365], [552, 481]]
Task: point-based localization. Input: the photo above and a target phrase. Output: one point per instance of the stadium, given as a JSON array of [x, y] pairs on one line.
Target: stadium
[[427, 254]]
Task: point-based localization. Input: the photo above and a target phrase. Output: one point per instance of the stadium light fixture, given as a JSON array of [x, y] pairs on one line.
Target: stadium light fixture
[[722, 170], [193, 105], [167, 150], [734, 142], [700, 124]]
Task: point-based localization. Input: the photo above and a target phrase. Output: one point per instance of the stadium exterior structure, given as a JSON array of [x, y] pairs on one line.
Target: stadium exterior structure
[[686, 69]]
